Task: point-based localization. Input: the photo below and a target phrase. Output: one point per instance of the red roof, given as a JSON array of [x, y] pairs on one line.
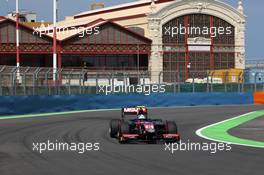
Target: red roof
[[96, 23], [100, 22], [21, 25]]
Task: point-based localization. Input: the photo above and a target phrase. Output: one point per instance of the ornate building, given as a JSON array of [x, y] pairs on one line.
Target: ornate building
[[168, 36]]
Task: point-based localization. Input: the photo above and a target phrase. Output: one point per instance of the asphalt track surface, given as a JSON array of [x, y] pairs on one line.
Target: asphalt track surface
[[17, 136], [253, 130]]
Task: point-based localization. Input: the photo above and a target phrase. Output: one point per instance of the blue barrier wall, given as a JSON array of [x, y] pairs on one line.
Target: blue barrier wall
[[43, 104]]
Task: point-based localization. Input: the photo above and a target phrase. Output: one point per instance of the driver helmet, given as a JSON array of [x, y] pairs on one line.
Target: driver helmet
[[140, 111], [141, 117]]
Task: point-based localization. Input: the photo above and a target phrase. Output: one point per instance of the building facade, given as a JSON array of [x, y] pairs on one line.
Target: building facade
[[222, 51], [172, 39]]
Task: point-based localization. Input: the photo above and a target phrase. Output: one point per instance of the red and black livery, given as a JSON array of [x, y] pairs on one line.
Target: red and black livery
[[147, 130]]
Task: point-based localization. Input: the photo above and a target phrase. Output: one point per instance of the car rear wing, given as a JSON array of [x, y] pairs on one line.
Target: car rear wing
[[133, 111]]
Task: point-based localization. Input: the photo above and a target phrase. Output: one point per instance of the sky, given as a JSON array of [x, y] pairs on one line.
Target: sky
[[254, 10]]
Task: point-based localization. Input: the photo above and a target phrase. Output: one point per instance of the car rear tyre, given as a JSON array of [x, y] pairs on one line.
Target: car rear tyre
[[172, 127], [124, 129], [114, 127]]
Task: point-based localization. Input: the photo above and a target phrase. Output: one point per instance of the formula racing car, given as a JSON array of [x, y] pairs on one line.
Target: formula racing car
[[142, 128]]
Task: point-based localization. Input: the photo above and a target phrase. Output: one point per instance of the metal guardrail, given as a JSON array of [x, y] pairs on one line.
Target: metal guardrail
[[39, 81], [255, 64]]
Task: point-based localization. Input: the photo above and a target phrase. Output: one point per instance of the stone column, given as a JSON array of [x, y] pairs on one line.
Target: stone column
[[240, 59], [156, 60], [240, 50]]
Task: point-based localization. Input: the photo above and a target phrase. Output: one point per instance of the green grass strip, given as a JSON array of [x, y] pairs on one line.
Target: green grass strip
[[219, 131], [52, 114]]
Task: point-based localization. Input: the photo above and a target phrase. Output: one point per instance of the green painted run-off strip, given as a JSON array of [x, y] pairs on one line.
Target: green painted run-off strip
[[51, 114], [219, 131]]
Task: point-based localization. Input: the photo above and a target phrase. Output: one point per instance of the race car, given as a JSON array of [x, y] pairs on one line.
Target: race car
[[142, 128]]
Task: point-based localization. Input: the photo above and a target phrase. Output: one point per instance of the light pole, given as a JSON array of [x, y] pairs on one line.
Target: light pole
[[138, 66], [189, 68], [17, 35], [54, 39], [17, 43]]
